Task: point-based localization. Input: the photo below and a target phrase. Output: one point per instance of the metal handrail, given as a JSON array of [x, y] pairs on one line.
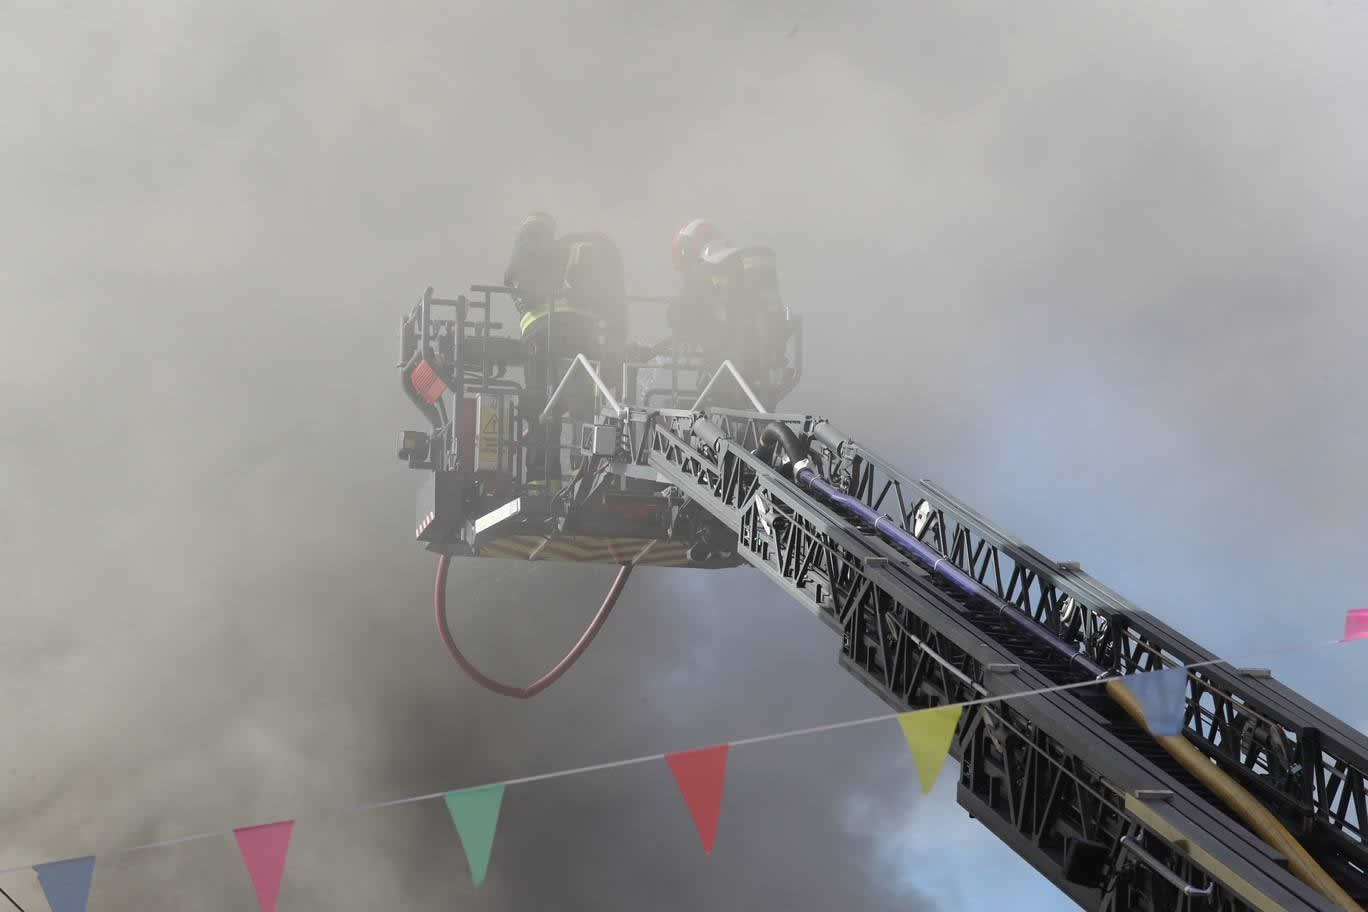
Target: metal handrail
[[1186, 888], [741, 381], [581, 361]]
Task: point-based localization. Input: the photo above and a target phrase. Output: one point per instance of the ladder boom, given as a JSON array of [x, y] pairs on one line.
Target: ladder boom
[[1069, 781]]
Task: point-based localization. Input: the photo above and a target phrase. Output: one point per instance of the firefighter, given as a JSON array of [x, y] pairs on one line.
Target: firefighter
[[531, 271], [694, 318], [569, 291], [593, 286], [729, 304]]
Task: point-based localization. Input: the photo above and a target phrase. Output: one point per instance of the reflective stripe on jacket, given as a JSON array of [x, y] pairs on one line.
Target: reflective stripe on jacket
[[537, 313]]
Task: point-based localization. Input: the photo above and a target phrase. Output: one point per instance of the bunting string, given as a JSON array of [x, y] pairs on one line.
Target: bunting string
[[612, 764], [700, 774]]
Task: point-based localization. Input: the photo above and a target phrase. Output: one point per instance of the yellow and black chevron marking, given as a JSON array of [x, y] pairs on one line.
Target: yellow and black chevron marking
[[586, 549]]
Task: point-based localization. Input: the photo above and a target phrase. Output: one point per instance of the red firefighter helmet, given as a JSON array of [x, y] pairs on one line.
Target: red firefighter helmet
[[690, 241]]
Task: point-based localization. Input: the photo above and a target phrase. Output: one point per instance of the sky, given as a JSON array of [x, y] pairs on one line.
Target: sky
[[1095, 267]]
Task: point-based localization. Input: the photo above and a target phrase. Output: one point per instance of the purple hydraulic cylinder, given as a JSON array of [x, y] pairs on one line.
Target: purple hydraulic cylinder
[[943, 567]]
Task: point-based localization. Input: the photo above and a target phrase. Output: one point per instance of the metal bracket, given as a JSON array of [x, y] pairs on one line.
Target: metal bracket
[[884, 563], [1154, 794], [741, 381]]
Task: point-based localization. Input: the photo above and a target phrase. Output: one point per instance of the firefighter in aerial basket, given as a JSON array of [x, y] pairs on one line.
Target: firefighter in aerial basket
[[570, 294], [729, 305], [695, 317]]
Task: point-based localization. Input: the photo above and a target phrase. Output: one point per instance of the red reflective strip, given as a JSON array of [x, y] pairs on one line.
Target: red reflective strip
[[427, 383]]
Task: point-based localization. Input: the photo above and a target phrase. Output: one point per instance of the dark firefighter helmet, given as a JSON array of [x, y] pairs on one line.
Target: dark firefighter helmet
[[691, 240], [537, 230], [532, 245]]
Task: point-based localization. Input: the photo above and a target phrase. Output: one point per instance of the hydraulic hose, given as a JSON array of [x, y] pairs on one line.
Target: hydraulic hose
[[561, 667], [780, 434], [946, 569], [1249, 809]]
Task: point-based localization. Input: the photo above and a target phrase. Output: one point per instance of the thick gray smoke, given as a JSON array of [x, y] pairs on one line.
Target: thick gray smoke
[[1094, 266]]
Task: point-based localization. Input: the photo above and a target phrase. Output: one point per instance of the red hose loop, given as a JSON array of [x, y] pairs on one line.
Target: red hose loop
[[561, 667]]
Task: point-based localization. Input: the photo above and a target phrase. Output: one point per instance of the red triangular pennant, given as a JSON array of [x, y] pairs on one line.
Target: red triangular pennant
[[263, 850], [702, 775]]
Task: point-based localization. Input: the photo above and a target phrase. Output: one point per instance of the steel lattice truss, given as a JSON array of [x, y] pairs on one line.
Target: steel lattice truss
[[1293, 756], [1053, 772]]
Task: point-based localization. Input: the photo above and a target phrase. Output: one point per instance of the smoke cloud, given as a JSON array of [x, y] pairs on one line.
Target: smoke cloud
[[1095, 267]]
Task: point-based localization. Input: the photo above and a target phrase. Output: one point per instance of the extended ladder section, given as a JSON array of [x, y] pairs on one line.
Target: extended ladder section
[[934, 605]]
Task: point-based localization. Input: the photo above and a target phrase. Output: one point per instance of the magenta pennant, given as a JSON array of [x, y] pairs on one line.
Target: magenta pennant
[[1355, 625], [263, 850]]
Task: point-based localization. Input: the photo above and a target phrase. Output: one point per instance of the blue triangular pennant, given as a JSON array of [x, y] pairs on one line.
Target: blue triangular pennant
[[1163, 696], [66, 884]]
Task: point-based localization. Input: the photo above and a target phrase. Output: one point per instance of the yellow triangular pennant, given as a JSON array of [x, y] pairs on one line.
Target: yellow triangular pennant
[[929, 733]]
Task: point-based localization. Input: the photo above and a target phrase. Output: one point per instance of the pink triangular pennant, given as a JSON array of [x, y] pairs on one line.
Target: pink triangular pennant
[[263, 850], [702, 777], [1355, 625]]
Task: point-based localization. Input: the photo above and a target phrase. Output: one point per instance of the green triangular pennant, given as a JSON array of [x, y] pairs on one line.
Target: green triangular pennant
[[475, 812]]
